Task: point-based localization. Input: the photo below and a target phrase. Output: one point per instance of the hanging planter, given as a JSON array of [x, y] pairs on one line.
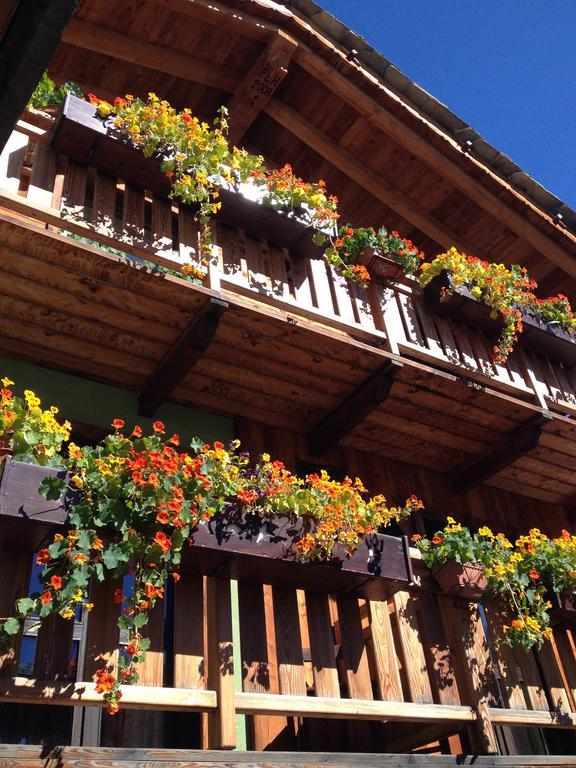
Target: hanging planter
[[383, 267], [466, 580], [547, 339], [563, 611]]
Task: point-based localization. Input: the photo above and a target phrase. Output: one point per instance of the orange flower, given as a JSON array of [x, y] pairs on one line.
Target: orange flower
[[56, 582], [176, 577], [46, 597], [416, 537], [158, 426], [104, 681], [97, 544], [163, 541], [437, 540], [533, 573], [118, 596], [118, 423], [80, 558], [137, 431], [175, 440]]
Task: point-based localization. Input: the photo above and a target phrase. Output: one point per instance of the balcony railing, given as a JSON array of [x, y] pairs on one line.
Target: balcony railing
[[417, 656], [78, 200]]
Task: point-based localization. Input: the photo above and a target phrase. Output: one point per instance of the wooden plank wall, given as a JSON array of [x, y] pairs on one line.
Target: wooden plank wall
[[393, 316]]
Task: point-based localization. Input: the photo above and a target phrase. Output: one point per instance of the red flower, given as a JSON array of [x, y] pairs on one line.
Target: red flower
[[43, 557], [104, 681], [176, 577], [46, 597], [158, 426], [162, 517], [533, 573], [56, 582], [137, 431], [118, 596], [175, 440], [437, 540], [118, 423]]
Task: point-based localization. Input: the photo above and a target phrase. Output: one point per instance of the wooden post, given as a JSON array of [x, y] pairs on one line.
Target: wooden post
[[222, 722]]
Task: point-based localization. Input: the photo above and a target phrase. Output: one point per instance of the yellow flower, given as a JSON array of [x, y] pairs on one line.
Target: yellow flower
[[58, 537], [518, 624], [450, 520], [89, 606], [77, 481], [6, 381], [485, 531], [78, 596], [67, 613]]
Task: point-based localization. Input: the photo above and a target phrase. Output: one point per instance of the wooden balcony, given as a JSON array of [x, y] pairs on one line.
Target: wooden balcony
[[315, 670], [276, 337]]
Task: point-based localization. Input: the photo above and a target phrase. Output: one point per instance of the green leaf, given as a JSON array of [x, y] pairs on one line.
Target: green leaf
[[11, 626], [25, 605], [140, 619], [52, 488]]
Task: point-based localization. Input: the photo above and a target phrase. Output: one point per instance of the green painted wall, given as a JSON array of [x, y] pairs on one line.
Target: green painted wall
[[92, 403]]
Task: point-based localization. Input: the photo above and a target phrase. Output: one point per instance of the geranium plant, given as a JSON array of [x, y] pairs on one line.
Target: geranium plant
[[139, 500], [27, 431]]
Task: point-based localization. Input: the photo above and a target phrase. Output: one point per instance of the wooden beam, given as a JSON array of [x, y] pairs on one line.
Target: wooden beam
[[91, 37], [188, 349], [532, 718], [357, 709], [24, 690], [354, 410], [371, 181], [260, 83], [520, 441], [30, 39]]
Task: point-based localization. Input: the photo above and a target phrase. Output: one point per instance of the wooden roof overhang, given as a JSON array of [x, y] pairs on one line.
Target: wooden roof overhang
[[297, 96], [76, 309]]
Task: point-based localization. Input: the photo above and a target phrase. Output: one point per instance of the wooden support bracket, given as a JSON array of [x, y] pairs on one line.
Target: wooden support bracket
[[191, 345], [259, 85], [354, 410], [516, 444]]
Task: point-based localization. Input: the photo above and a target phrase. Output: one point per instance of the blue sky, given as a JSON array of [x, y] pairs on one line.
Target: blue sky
[[506, 67]]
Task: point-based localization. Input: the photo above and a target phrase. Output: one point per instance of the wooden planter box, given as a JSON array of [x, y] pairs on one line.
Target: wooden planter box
[[383, 268], [81, 135], [538, 336], [245, 550], [465, 580], [461, 306]]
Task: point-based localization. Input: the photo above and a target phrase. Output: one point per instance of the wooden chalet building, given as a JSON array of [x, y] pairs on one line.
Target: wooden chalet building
[[276, 349]]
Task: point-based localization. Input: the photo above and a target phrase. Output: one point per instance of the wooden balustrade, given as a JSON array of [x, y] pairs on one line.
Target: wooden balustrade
[[38, 185]]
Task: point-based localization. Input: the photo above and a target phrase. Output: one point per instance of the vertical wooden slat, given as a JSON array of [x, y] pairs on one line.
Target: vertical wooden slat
[[102, 633], [187, 236], [43, 176], [189, 662], [353, 649], [52, 661], [133, 216], [104, 205], [553, 678], [288, 642], [474, 668], [161, 233], [438, 650], [386, 660], [14, 580], [510, 673], [322, 293], [72, 202], [220, 652], [567, 654], [414, 660], [322, 645]]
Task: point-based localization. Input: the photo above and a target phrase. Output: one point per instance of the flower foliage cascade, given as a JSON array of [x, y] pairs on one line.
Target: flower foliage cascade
[[140, 499], [508, 291], [521, 573], [26, 431]]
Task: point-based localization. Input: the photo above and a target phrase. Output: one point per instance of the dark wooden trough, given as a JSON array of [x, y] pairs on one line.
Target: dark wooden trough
[[244, 549], [538, 336], [81, 135]]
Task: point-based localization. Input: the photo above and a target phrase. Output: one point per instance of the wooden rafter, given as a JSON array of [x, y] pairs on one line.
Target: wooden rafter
[[92, 37], [260, 84], [516, 444], [373, 182], [374, 107], [191, 345], [354, 410], [30, 39]]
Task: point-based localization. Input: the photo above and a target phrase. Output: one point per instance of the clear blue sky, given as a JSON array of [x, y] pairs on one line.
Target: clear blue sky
[[506, 67]]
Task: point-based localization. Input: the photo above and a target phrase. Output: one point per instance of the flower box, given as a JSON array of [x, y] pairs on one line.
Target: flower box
[[460, 305], [466, 580], [547, 340], [537, 336], [563, 611], [382, 267], [83, 136], [245, 549]]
